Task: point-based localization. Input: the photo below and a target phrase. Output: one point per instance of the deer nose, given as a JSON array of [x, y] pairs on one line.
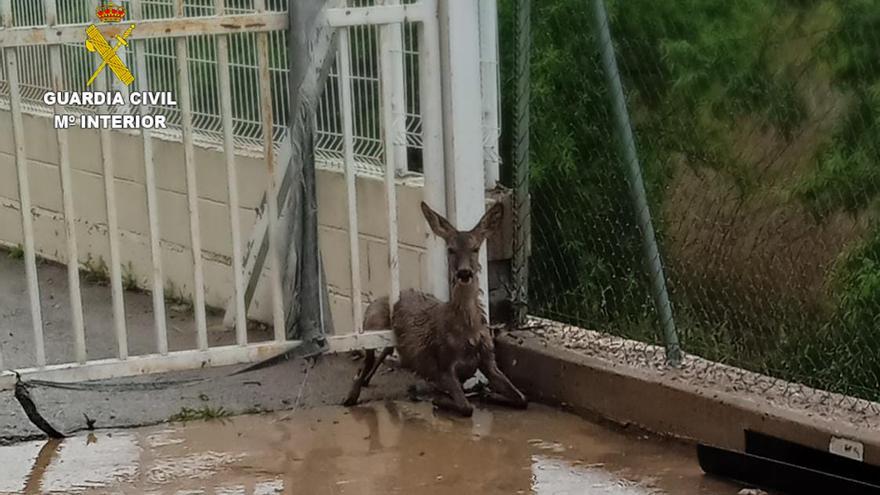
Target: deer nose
[[464, 275]]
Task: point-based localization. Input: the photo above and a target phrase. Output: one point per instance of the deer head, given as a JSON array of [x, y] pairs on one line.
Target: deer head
[[463, 247]]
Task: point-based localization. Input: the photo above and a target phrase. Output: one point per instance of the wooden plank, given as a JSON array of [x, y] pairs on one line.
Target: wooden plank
[[232, 182], [374, 339], [192, 193], [73, 280], [394, 133], [392, 40], [268, 122], [158, 28], [116, 290], [24, 193], [375, 16], [158, 279], [104, 369], [346, 111]]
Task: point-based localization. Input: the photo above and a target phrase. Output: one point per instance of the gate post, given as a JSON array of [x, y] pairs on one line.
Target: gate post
[[462, 119], [489, 75]]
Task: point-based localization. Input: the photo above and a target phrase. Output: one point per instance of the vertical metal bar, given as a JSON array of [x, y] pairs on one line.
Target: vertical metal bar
[[272, 184], [346, 110], [460, 68], [361, 128], [521, 123], [393, 110], [158, 288], [651, 253], [232, 182], [490, 89], [113, 235], [73, 281], [192, 192], [392, 41], [24, 194], [432, 146], [5, 22]]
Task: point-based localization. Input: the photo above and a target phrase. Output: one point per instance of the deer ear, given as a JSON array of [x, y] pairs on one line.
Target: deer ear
[[491, 221], [438, 224]]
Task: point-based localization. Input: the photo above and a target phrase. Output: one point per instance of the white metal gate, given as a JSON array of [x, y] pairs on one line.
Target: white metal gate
[[421, 17]]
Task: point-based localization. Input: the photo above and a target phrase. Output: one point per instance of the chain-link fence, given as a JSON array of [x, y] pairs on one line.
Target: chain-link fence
[[757, 128]]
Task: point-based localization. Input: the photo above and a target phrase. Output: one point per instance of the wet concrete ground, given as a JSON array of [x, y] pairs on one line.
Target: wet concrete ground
[[276, 388], [17, 339], [378, 448]]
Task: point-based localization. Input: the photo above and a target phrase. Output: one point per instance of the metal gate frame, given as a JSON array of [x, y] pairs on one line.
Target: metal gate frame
[[391, 18]]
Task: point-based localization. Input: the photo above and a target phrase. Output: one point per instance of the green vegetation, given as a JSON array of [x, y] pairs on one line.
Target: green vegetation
[[129, 277], [95, 270], [16, 253], [726, 94], [177, 298], [204, 413], [847, 176]]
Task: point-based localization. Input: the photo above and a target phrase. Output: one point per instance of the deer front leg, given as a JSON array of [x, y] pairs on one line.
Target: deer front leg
[[355, 392], [456, 401], [500, 384], [385, 353]]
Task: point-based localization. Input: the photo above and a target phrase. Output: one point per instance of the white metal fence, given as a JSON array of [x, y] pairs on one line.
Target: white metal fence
[[390, 57], [159, 56]]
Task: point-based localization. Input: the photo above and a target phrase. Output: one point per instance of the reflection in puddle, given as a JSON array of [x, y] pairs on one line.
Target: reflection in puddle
[[74, 464], [195, 466], [392, 447], [561, 477]]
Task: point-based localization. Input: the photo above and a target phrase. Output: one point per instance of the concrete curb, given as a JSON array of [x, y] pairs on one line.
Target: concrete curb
[[658, 403]]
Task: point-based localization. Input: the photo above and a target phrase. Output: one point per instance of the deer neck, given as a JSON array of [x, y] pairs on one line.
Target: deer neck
[[467, 306]]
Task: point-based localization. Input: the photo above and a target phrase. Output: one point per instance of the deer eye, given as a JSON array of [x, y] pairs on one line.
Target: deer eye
[[450, 250], [476, 249]]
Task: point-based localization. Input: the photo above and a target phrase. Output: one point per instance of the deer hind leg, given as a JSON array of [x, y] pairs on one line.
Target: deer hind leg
[[355, 392], [503, 391], [385, 353], [456, 400]]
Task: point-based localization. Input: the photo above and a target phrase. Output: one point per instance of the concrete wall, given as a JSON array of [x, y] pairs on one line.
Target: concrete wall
[[91, 218], [703, 402]]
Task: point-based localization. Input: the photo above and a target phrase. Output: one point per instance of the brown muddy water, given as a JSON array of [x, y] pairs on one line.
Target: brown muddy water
[[379, 448]]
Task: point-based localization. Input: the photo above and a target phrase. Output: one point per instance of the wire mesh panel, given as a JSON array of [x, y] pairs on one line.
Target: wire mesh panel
[[756, 126], [161, 56]]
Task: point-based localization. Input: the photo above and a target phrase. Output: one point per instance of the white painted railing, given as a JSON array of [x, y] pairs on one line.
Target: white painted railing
[[392, 22]]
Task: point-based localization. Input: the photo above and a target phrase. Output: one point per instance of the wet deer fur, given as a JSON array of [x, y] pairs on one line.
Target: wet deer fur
[[444, 343]]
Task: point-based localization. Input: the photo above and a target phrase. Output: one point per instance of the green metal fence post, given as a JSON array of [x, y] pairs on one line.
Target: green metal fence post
[[521, 203], [639, 198]]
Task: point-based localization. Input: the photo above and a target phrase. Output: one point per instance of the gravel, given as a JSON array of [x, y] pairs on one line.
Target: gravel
[[700, 372]]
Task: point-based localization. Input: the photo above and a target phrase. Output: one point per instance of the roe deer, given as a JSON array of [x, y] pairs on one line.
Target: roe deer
[[444, 343]]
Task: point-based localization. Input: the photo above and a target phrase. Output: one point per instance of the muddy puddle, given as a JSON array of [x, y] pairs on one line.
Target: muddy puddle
[[381, 448]]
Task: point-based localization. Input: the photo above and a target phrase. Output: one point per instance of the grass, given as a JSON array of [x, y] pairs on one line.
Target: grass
[[129, 279], [204, 413], [95, 270], [175, 296], [16, 253]]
